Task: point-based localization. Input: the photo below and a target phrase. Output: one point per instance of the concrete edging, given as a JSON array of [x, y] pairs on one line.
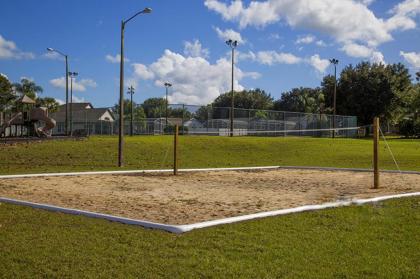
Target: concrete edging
[[11, 176], [178, 229]]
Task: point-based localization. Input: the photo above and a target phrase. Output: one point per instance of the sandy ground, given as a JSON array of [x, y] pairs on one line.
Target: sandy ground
[[202, 196]]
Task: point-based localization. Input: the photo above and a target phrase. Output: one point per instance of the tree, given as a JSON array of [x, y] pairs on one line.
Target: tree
[[368, 90], [138, 112], [7, 96], [418, 76], [309, 100], [28, 87], [247, 99], [50, 103], [154, 107]]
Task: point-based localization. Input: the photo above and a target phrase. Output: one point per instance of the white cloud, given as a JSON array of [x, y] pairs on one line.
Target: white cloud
[[80, 86], [319, 64], [195, 80], [78, 99], [115, 59], [305, 39], [229, 34], [403, 15], [356, 50], [347, 21], [195, 49], [142, 71], [8, 50], [321, 43], [413, 58], [377, 57], [272, 57]]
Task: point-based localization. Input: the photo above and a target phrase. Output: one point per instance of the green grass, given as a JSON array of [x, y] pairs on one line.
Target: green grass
[[151, 152], [370, 241]]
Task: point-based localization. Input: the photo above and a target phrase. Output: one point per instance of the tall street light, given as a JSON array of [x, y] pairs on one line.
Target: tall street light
[[232, 44], [67, 86], [131, 92], [167, 85], [72, 75], [121, 126], [334, 62]]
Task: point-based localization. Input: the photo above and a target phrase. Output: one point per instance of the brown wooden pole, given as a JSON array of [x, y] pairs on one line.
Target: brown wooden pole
[[376, 153], [176, 150]]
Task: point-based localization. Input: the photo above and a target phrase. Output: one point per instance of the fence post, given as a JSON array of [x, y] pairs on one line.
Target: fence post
[[176, 150], [376, 153]]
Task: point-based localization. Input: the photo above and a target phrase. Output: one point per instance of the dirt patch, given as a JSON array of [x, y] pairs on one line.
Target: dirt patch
[[202, 196]]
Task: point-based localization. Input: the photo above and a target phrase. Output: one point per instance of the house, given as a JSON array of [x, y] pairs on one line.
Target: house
[[85, 118]]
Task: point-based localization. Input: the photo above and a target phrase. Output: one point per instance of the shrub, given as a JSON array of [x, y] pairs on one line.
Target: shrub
[[409, 128], [171, 129]]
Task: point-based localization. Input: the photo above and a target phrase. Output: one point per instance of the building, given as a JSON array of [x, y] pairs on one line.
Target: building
[[87, 120]]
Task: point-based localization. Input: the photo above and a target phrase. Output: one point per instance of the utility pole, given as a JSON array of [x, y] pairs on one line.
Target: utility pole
[[121, 122], [131, 92], [334, 62], [167, 85], [72, 75], [67, 86], [232, 44]]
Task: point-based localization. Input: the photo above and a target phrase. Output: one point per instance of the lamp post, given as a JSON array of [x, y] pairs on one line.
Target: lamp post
[[71, 75], [121, 122], [334, 62], [167, 85], [67, 86], [232, 44], [131, 92]]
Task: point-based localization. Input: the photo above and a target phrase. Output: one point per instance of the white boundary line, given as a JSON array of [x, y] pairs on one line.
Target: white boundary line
[[186, 228], [198, 170]]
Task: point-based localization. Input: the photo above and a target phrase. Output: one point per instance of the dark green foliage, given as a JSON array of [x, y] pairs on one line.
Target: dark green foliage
[[368, 90], [28, 87], [50, 103], [7, 97], [310, 100], [171, 129], [247, 99], [409, 128]]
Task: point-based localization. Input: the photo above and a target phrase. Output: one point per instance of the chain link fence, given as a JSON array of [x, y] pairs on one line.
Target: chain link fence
[[204, 120]]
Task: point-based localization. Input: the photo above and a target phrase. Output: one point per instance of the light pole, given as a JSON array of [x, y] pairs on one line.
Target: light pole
[[67, 86], [71, 75], [334, 62], [131, 92], [121, 126], [167, 85], [232, 44]]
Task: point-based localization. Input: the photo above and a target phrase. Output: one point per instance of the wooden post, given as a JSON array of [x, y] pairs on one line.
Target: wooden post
[[176, 150], [376, 153]]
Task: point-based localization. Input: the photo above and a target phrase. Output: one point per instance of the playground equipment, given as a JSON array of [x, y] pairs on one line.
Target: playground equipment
[[27, 121]]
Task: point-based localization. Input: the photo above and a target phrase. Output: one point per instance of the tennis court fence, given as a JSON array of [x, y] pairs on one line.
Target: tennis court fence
[[192, 119]]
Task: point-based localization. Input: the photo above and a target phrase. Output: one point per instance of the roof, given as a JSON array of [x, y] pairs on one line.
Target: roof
[[76, 106], [26, 100], [87, 115]]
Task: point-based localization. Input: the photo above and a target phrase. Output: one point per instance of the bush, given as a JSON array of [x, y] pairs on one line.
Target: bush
[[409, 128], [171, 129]]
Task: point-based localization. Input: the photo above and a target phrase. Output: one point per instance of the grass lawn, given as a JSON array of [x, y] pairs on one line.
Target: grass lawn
[[155, 152], [370, 241]]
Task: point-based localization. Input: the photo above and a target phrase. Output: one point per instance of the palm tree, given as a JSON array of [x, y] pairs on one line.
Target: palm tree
[[28, 87]]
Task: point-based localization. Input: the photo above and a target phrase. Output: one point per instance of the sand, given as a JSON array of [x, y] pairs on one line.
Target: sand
[[202, 196]]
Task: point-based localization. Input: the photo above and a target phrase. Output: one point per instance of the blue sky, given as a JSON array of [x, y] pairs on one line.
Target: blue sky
[[283, 43]]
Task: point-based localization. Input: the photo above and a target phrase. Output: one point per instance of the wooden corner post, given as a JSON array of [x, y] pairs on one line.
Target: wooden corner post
[[176, 150], [376, 153]]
